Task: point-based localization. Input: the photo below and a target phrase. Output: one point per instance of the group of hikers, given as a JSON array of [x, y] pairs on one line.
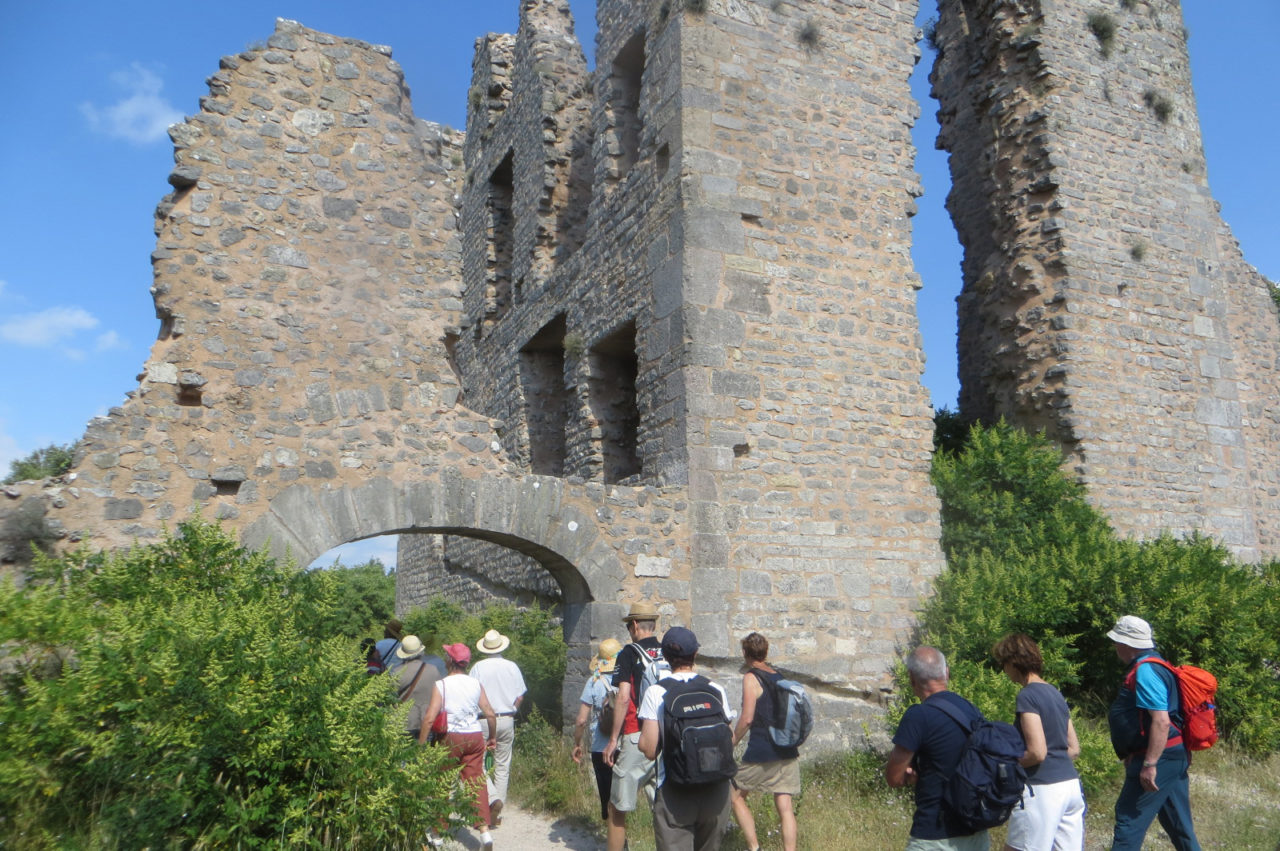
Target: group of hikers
[[1149, 733], [654, 724], [471, 713]]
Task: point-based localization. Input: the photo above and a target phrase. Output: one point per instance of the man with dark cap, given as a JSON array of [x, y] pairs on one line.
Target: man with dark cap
[[686, 816]]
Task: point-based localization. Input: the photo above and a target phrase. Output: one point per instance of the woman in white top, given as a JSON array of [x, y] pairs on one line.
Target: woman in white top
[[464, 701]]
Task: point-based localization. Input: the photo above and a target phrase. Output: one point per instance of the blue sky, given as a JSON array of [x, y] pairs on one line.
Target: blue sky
[[90, 88]]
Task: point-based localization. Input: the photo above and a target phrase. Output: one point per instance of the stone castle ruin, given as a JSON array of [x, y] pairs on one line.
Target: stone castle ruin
[[649, 331]]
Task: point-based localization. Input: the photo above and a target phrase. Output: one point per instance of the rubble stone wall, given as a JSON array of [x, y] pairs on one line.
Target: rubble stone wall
[[1104, 298]]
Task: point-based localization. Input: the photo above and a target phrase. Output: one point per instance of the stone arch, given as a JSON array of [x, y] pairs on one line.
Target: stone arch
[[544, 518]]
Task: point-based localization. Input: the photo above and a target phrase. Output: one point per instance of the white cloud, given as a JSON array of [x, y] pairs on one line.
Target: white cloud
[[46, 328], [108, 342], [142, 116]]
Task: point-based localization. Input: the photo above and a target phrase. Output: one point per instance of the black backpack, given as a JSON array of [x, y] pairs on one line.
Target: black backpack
[[697, 742], [987, 782]]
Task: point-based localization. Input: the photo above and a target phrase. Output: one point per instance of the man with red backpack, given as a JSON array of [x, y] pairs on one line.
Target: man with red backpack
[[1147, 722]]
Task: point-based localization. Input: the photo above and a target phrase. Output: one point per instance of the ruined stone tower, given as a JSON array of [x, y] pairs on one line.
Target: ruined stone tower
[[690, 271], [1104, 299]]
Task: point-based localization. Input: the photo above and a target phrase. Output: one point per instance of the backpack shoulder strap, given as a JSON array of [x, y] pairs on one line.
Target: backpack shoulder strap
[[1132, 677], [405, 692], [954, 714], [390, 650]]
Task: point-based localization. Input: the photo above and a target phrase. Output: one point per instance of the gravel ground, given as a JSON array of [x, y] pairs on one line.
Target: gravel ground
[[524, 831]]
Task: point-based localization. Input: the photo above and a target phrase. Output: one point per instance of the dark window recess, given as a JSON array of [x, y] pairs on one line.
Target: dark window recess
[[191, 397], [225, 487], [545, 397], [663, 160], [501, 238], [624, 105], [614, 369]]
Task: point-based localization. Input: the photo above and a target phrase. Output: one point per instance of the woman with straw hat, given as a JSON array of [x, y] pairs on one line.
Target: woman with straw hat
[[598, 694]]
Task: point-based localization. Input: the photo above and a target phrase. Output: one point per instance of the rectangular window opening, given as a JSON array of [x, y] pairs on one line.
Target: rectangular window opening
[[614, 370], [546, 399], [501, 237], [224, 487], [624, 105]]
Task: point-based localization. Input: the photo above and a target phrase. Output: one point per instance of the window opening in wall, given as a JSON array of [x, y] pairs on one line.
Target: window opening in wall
[[190, 397], [546, 400], [501, 238], [226, 487], [614, 369], [663, 160], [624, 106]]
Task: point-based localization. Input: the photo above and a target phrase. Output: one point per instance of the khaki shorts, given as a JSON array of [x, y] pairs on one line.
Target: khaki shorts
[[780, 777], [631, 771]]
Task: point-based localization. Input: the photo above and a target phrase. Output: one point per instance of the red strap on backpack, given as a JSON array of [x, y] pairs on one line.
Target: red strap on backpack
[[1196, 692]]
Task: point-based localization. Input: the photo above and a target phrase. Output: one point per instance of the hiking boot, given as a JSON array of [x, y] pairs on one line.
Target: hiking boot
[[495, 813]]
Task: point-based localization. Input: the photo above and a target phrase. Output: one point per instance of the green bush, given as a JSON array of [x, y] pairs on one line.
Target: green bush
[[537, 644], [52, 460], [1027, 554], [170, 697]]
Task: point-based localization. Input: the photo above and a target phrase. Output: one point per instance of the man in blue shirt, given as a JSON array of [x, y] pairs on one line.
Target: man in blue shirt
[[926, 750], [1144, 723]]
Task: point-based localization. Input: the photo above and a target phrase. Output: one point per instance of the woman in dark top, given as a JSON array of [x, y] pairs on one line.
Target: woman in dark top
[[1051, 817], [765, 766]]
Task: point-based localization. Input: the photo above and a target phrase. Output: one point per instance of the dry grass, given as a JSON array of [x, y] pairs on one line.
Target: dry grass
[[846, 806]]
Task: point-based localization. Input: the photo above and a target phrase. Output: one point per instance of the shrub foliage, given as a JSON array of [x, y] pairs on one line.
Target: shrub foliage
[[1026, 553], [173, 696], [52, 460]]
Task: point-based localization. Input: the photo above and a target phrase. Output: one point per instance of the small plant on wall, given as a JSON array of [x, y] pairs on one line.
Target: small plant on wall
[[809, 35], [1159, 104], [1138, 250], [1103, 27], [574, 344], [697, 7]]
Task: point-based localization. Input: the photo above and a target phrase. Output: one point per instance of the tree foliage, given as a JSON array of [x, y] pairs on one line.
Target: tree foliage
[[52, 460], [537, 644], [1027, 554], [364, 599], [172, 696]]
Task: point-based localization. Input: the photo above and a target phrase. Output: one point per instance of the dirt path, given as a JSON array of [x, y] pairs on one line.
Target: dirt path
[[525, 831]]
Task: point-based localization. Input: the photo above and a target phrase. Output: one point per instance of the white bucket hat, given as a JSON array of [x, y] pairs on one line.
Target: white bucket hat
[[493, 642], [1132, 631], [410, 646]]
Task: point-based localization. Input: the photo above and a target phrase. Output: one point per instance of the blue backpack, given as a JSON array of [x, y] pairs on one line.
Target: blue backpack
[[793, 711], [987, 782]]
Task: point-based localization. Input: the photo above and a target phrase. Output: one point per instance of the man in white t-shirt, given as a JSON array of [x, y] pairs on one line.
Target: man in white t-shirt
[[684, 812], [504, 684]]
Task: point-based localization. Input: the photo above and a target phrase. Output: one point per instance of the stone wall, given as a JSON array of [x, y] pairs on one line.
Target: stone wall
[[1104, 299]]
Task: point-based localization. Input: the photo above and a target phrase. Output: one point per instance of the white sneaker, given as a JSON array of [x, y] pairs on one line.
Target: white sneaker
[[486, 840]]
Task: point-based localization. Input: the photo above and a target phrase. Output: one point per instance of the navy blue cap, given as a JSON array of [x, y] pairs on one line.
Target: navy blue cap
[[679, 641]]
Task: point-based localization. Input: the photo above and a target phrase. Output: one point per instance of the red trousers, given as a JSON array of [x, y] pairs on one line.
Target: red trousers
[[468, 750]]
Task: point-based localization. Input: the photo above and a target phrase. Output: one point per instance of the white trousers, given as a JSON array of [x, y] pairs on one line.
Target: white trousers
[[497, 783]]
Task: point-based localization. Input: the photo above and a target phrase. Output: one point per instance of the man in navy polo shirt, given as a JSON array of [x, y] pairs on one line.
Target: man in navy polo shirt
[[926, 749]]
